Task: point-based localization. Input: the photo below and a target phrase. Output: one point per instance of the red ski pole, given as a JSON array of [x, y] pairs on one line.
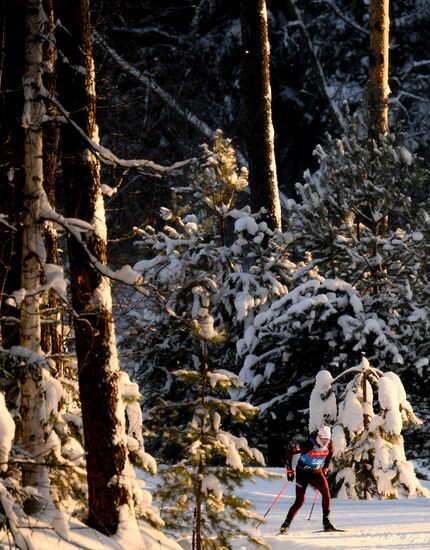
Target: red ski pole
[[313, 504], [274, 502]]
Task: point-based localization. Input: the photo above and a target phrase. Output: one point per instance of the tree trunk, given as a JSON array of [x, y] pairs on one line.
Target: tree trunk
[[201, 465], [102, 413], [257, 99], [33, 410], [52, 338], [378, 89]]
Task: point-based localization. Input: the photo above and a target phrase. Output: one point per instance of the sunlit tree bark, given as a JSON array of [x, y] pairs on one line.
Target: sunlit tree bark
[[103, 417], [378, 89], [257, 98], [52, 337]]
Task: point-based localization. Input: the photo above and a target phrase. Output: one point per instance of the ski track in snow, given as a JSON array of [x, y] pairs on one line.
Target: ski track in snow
[[402, 524]]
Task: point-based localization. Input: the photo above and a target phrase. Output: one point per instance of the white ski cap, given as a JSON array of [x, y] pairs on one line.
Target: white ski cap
[[324, 433]]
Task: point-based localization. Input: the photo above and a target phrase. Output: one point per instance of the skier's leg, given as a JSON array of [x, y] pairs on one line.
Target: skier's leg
[[320, 483], [301, 484]]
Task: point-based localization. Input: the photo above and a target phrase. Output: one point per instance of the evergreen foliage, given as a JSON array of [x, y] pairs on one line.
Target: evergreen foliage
[[364, 217], [369, 417], [198, 492], [211, 249], [213, 267], [318, 323]]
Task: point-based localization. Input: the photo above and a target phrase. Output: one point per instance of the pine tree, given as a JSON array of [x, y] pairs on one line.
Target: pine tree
[[212, 273], [198, 492], [206, 241], [364, 218], [257, 99], [110, 490], [378, 88], [369, 448]]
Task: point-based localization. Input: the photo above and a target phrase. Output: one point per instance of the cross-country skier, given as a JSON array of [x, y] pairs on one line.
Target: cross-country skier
[[312, 466]]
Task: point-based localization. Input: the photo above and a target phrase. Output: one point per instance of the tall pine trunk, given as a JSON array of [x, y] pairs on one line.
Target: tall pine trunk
[[33, 410], [102, 413], [378, 92], [257, 98], [378, 89]]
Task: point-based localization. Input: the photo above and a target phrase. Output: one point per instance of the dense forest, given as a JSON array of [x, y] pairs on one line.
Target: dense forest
[[207, 207]]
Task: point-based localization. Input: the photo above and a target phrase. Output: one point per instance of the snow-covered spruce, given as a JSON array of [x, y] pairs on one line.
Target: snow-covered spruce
[[206, 246], [320, 322], [369, 449], [364, 217], [213, 267]]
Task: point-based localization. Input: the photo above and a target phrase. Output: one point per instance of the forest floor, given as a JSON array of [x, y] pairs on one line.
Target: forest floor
[[401, 524]]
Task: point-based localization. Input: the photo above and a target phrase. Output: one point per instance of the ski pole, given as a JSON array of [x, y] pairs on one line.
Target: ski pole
[[274, 502], [313, 504]]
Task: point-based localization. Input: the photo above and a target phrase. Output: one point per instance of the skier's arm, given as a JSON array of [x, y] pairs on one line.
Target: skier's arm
[[329, 457]]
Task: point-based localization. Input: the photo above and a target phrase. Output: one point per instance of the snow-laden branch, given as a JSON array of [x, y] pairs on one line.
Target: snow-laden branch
[[3, 220], [378, 373], [125, 274], [105, 155], [335, 112]]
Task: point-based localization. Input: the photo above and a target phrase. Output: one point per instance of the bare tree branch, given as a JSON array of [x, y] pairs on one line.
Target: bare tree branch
[[332, 4], [335, 112], [148, 81], [152, 85]]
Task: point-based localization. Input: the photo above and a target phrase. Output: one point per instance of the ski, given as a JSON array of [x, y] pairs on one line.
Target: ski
[[331, 531]]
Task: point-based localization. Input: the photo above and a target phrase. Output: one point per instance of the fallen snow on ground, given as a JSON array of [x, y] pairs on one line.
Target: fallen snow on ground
[[390, 524], [40, 536], [402, 524]]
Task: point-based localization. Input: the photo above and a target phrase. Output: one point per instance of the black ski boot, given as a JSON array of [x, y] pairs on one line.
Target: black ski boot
[[284, 527], [327, 524]]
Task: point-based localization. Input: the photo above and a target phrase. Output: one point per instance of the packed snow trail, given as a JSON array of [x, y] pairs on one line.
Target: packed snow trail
[[401, 524]]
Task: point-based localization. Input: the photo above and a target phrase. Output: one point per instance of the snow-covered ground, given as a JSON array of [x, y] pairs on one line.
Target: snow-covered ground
[[402, 524]]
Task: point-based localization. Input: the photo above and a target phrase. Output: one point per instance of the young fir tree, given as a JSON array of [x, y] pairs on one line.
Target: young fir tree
[[231, 264], [206, 241], [369, 448], [364, 218], [198, 492]]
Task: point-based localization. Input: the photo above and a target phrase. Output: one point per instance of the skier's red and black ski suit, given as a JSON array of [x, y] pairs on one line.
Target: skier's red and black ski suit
[[311, 468]]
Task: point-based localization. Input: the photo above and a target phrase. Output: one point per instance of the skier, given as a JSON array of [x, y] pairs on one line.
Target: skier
[[312, 466]]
